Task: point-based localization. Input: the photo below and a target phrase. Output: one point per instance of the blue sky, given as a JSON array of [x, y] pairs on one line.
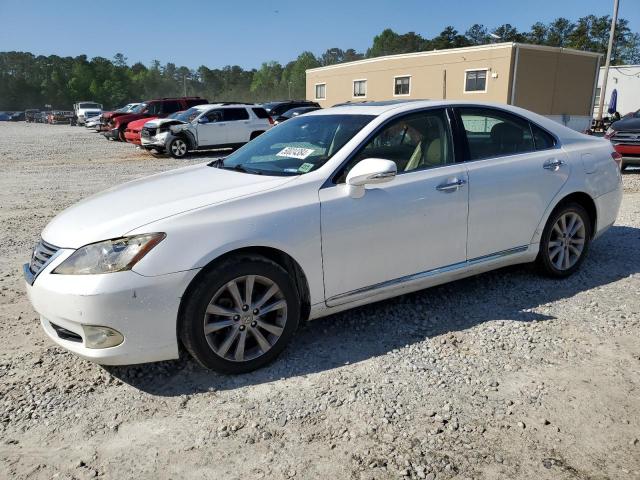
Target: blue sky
[[247, 33]]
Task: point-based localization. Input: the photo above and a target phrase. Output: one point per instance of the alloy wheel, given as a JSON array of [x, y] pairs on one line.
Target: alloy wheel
[[179, 148], [567, 241], [245, 318]]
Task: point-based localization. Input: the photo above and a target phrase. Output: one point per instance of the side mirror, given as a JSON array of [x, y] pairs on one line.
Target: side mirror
[[369, 171], [202, 120]]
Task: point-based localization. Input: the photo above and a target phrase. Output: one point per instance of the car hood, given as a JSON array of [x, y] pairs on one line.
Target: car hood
[[629, 123], [157, 122], [138, 124], [129, 117], [114, 212]]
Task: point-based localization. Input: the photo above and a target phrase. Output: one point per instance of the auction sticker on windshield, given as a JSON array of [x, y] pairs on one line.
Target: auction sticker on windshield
[[293, 152]]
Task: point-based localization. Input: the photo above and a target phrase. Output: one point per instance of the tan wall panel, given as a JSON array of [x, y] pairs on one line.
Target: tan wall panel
[[554, 82], [574, 85], [426, 73]]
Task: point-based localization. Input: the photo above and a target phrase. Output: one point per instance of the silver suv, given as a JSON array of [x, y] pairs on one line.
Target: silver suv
[[203, 127]]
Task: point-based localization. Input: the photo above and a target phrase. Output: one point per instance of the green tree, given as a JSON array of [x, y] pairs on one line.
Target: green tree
[[477, 34]]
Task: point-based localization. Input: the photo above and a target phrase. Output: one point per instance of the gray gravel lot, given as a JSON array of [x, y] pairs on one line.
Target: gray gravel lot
[[504, 375]]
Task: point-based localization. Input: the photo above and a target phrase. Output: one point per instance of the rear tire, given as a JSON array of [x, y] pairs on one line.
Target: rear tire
[[226, 323], [255, 134], [178, 148], [565, 241]]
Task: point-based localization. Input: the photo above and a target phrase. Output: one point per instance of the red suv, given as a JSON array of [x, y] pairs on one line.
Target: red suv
[[150, 109]]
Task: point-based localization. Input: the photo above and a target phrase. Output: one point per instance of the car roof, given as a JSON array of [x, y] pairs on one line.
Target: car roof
[[207, 106]]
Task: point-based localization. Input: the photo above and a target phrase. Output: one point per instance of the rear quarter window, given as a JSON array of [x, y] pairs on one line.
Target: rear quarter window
[[542, 139], [260, 112]]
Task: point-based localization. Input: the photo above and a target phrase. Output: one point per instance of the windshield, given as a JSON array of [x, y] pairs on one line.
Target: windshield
[[187, 115], [90, 105], [139, 108], [298, 146]]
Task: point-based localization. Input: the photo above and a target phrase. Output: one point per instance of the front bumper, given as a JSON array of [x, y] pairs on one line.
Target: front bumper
[[112, 134], [132, 136], [143, 309], [161, 140]]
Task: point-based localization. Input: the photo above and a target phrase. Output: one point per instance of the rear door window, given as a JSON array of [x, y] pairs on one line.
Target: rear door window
[[171, 106], [495, 133], [195, 101], [233, 114]]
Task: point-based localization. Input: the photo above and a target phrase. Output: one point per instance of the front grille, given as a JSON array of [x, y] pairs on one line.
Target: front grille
[[41, 256], [628, 138], [65, 334], [90, 114]]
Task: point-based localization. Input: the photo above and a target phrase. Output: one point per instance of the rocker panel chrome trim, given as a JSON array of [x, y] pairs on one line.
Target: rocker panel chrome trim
[[399, 282]]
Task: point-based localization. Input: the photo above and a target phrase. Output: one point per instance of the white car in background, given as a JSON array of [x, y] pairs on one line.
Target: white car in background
[[96, 121], [330, 210], [206, 127]]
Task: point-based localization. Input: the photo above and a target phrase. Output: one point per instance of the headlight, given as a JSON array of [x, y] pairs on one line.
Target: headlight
[[109, 256]]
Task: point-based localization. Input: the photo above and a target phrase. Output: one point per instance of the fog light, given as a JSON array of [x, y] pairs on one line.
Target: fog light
[[101, 337]]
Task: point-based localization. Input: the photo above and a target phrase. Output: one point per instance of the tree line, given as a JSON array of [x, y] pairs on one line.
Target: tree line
[[30, 81]]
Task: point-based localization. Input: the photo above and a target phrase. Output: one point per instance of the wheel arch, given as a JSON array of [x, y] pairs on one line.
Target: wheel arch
[[280, 257], [583, 199], [579, 197], [187, 137]]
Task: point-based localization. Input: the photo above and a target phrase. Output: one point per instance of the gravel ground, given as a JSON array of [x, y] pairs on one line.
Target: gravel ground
[[504, 375]]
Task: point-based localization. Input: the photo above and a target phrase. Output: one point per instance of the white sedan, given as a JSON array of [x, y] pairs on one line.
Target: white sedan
[[328, 211]]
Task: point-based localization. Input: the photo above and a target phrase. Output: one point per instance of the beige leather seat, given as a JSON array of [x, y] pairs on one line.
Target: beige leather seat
[[424, 158]]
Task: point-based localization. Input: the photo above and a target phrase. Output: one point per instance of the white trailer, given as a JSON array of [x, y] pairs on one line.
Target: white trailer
[[625, 79]]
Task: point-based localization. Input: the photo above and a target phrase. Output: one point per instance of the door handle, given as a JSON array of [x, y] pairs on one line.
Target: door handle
[[454, 185], [553, 164]]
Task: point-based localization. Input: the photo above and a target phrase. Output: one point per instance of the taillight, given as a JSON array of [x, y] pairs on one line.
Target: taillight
[[609, 133], [617, 158], [270, 120]]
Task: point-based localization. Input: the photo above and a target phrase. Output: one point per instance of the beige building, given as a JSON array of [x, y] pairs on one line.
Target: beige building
[[555, 82]]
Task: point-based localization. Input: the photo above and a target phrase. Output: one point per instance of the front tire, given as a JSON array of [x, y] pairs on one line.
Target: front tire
[[565, 241], [178, 148], [241, 315]]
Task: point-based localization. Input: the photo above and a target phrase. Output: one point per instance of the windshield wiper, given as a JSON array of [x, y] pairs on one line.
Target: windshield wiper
[[219, 163]]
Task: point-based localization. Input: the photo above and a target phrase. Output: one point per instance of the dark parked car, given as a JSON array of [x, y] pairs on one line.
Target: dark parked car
[[625, 136], [30, 115], [158, 108], [4, 117], [275, 109], [295, 112], [17, 117]]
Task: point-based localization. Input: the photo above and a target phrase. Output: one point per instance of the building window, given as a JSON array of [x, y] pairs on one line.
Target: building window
[[359, 88], [596, 100], [402, 85], [475, 81], [321, 91]]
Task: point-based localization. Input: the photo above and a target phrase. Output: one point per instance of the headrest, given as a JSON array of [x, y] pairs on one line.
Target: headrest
[[506, 134]]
